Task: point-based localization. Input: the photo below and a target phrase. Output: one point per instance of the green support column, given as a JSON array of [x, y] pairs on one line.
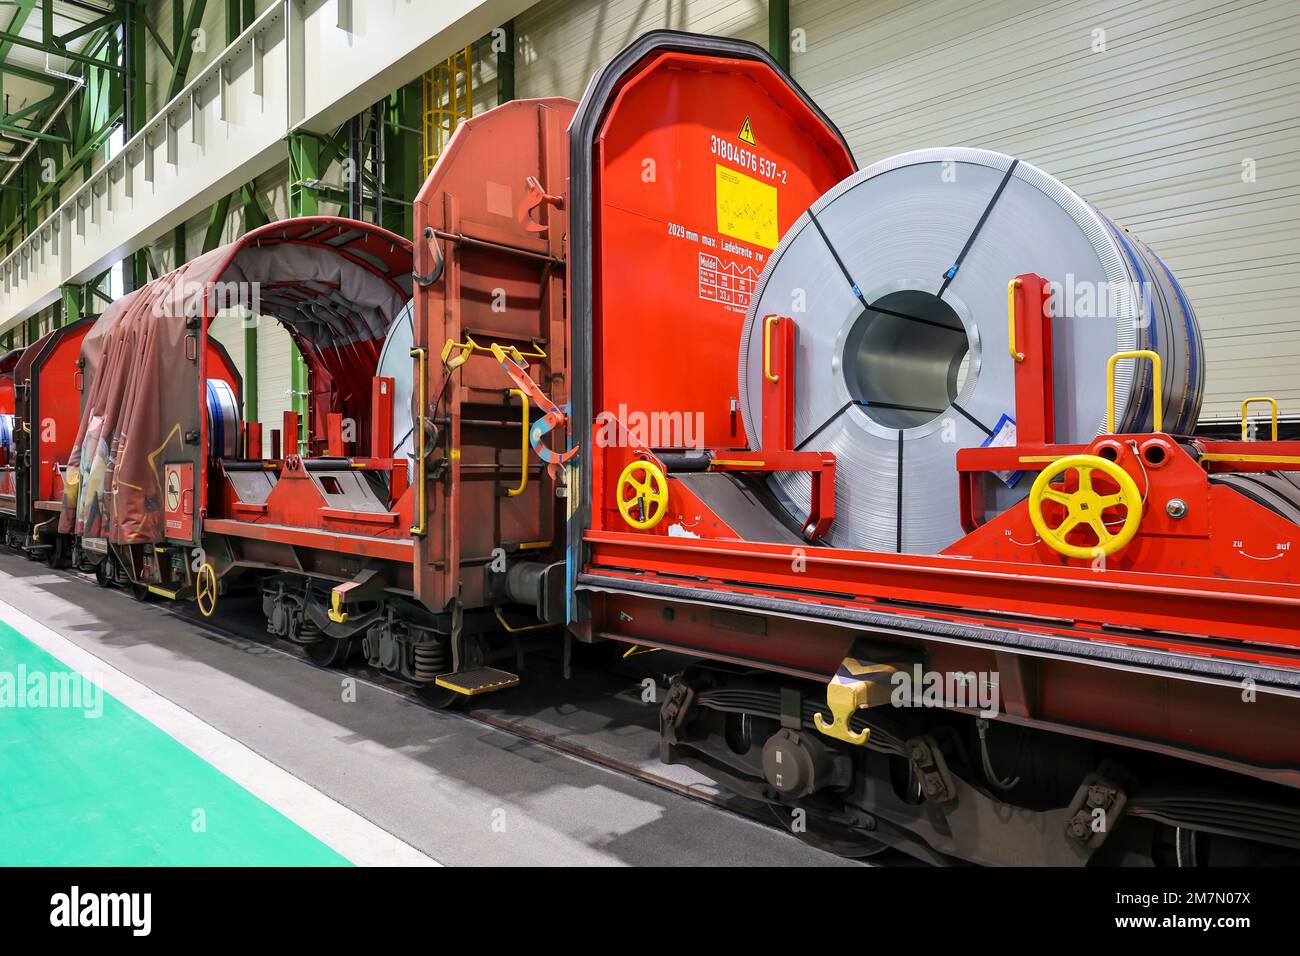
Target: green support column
[[183, 38], [137, 267], [182, 53], [778, 31], [250, 372], [298, 384], [304, 169], [139, 270], [239, 14], [254, 214], [135, 113], [135, 66], [216, 223], [402, 171], [304, 172], [70, 303]]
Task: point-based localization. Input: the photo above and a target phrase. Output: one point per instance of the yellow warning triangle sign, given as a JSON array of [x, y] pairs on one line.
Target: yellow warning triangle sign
[[747, 133]]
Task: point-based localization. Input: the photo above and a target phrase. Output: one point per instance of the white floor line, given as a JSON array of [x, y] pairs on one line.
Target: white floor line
[[347, 832]]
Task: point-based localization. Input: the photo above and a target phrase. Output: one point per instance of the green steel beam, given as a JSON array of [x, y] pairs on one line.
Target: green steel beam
[[109, 20], [33, 133], [250, 371], [216, 223], [234, 20], [239, 14], [137, 266], [304, 167], [403, 171], [221, 210], [116, 81], [135, 29], [35, 76], [68, 168], [182, 38], [137, 53], [298, 395], [16, 24], [33, 107], [71, 300], [168, 55], [254, 214], [185, 48], [778, 32], [43, 47]]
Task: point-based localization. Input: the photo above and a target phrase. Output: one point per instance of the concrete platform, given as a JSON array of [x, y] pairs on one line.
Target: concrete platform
[[206, 748]]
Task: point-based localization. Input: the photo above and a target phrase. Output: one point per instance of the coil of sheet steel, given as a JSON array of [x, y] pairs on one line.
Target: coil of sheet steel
[[897, 281], [395, 362], [223, 419]]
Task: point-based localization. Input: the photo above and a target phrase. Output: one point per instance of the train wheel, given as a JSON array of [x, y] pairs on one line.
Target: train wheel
[[329, 651], [817, 832], [439, 698], [102, 577], [321, 650], [55, 556]]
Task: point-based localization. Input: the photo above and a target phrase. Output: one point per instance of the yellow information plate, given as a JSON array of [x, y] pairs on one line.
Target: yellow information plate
[[746, 208]]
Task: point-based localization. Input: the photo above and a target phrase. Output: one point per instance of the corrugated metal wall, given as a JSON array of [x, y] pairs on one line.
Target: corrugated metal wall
[[563, 42], [212, 41], [1155, 120]]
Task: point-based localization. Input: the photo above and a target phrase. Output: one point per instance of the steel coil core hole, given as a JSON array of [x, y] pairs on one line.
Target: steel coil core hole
[[905, 358]]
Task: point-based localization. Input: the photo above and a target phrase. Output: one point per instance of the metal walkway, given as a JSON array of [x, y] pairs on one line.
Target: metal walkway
[[297, 66]]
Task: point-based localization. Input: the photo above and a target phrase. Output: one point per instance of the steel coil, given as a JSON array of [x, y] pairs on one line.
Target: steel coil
[[223, 419], [897, 280], [395, 363]]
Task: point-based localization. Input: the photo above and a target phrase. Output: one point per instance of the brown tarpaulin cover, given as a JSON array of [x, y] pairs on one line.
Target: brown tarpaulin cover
[[334, 283]]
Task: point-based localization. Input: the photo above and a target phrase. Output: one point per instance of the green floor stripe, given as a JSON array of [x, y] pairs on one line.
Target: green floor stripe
[[92, 783]]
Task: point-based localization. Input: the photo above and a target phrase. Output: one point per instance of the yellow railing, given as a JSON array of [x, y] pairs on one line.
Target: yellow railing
[[448, 99]]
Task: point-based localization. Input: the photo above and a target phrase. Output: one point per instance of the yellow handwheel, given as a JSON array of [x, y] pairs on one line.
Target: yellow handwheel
[[648, 488], [1085, 506], [205, 590]]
